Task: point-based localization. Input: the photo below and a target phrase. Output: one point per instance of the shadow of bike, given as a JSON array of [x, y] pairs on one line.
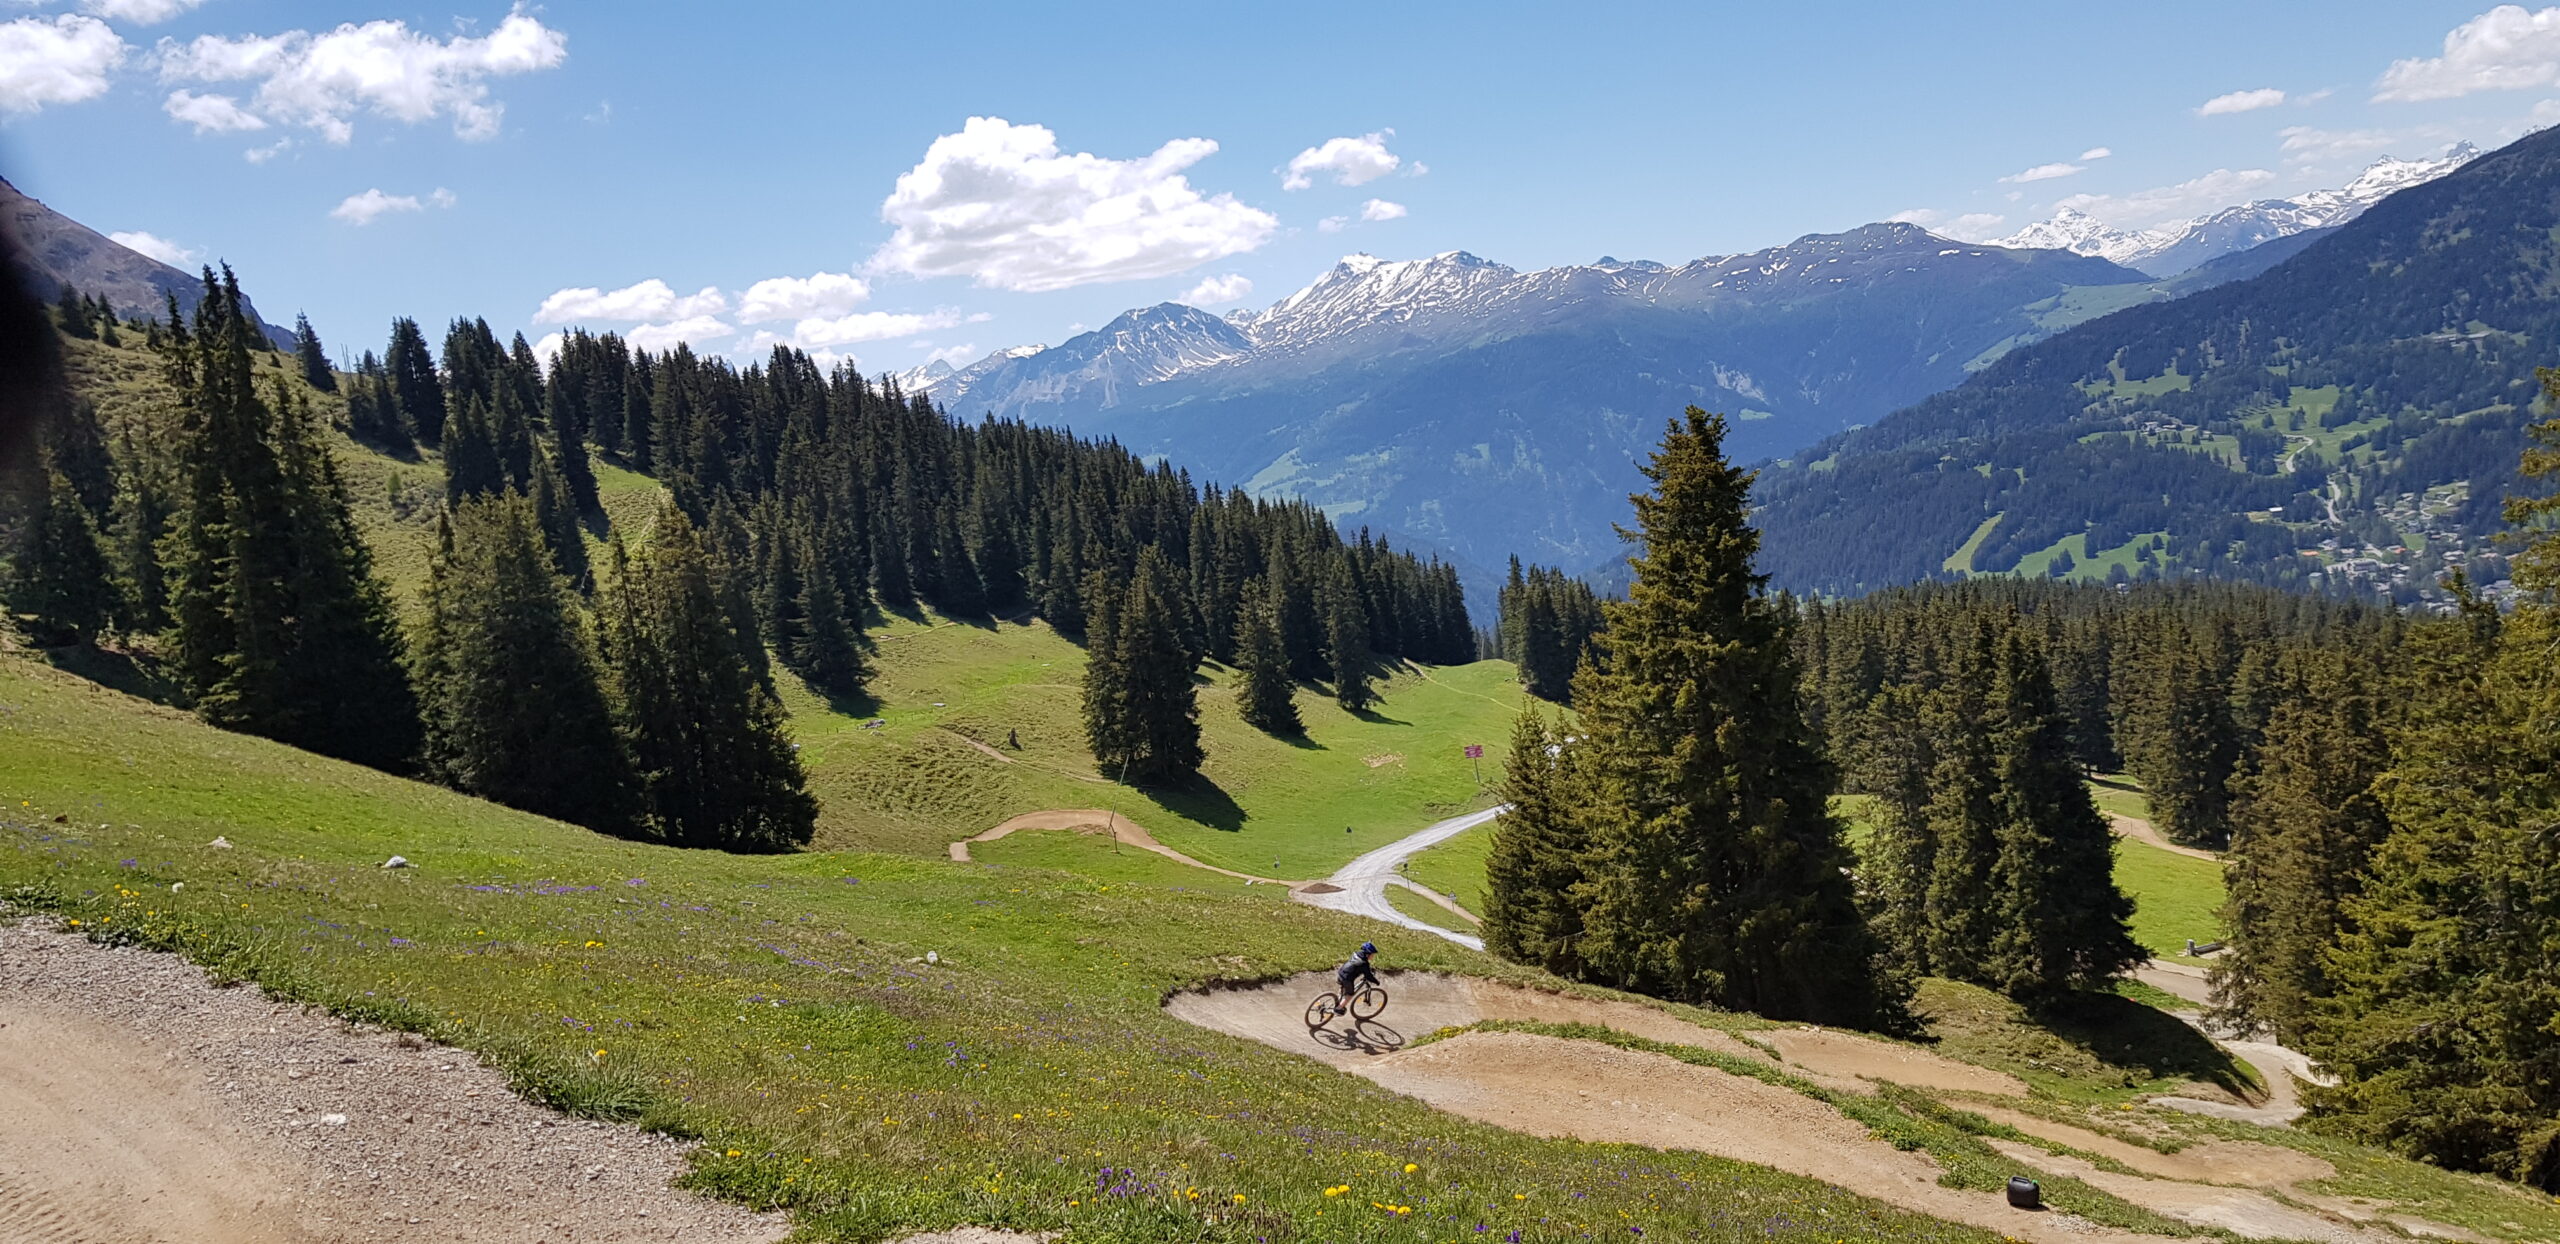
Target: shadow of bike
[[1366, 1036]]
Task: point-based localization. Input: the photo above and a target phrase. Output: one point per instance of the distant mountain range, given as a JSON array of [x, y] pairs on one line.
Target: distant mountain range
[[2350, 418], [1483, 410], [2171, 249], [61, 251]]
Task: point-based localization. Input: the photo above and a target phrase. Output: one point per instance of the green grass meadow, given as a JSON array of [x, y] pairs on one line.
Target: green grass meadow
[[780, 1007]]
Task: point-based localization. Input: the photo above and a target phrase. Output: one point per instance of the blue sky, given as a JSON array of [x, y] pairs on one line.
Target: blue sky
[[576, 146]]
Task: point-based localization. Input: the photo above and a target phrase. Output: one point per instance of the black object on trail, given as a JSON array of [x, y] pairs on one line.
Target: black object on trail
[[2025, 1193]]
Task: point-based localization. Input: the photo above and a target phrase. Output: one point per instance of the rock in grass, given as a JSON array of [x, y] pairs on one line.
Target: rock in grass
[[397, 861]]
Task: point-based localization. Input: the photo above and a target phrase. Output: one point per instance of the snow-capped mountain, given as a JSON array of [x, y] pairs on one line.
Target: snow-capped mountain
[[2175, 248], [922, 378]]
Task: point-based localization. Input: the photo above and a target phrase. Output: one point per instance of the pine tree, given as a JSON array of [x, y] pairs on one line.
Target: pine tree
[[58, 583], [1719, 873], [418, 394], [2304, 825], [1142, 713], [71, 312], [1265, 696], [512, 693], [557, 516], [281, 628], [472, 468], [1346, 639], [1534, 868], [312, 357], [1964, 808], [828, 649], [2063, 924], [715, 763]]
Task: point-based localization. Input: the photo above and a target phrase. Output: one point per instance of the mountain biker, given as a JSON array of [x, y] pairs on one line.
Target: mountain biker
[[1348, 978]]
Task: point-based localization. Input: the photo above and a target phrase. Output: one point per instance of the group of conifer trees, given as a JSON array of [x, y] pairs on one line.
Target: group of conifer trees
[[639, 697], [1548, 623]]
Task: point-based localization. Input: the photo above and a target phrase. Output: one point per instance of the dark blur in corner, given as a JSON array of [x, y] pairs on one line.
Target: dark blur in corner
[[30, 361]]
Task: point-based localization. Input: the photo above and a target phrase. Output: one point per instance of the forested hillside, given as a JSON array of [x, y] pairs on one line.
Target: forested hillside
[[205, 517], [2350, 420]]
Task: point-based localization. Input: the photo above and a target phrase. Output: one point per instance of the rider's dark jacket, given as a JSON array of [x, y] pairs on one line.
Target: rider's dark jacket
[[1350, 975]]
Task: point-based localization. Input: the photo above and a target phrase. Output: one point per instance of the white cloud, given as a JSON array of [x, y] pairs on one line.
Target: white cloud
[[2043, 172], [2219, 188], [157, 247], [321, 81], [958, 356], [1380, 209], [1332, 224], [365, 208], [2240, 101], [795, 297], [1969, 227], [260, 155], [2097, 153], [2304, 144], [1351, 161], [138, 12], [62, 60], [861, 326], [998, 203], [211, 114], [1218, 290], [657, 338], [651, 299], [2506, 48]]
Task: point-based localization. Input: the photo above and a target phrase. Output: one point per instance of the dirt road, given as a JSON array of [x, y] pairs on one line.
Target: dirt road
[[139, 1103]]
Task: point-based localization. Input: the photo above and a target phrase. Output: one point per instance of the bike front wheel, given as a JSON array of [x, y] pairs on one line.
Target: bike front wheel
[[1321, 1011], [1368, 1002]]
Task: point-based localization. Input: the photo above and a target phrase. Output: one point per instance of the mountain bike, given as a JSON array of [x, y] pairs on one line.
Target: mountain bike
[[1328, 1005]]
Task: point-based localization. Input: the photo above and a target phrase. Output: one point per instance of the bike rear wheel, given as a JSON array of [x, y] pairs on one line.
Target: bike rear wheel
[[1368, 1002], [1321, 1011]]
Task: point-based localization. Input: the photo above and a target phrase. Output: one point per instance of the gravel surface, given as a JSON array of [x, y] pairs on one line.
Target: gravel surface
[[140, 1103]]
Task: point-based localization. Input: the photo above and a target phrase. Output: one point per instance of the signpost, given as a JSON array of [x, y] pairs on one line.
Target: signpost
[[1475, 752]]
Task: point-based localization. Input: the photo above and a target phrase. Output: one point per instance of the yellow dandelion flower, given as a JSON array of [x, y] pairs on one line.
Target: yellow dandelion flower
[[1410, 1168]]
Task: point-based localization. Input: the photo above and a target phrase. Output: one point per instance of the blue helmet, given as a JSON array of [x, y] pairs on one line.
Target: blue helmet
[[1368, 948]]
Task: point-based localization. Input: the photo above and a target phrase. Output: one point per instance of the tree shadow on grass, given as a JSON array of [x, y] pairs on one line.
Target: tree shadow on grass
[[1198, 799], [2124, 1033], [116, 670]]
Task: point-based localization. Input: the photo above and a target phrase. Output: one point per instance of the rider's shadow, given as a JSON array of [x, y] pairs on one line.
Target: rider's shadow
[[1365, 1036]]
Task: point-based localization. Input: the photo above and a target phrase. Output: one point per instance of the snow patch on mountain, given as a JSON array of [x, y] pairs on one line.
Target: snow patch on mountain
[[2174, 248]]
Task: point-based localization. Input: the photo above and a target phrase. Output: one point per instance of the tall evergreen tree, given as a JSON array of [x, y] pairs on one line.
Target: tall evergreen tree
[[1534, 871], [828, 649], [512, 693], [1346, 640], [2063, 924], [1142, 713], [59, 584], [472, 468], [1719, 873], [2305, 823], [414, 385], [1265, 696], [715, 763], [281, 628], [312, 357]]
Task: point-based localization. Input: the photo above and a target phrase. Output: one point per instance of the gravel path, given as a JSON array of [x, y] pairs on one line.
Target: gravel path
[[1361, 885], [140, 1103]]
